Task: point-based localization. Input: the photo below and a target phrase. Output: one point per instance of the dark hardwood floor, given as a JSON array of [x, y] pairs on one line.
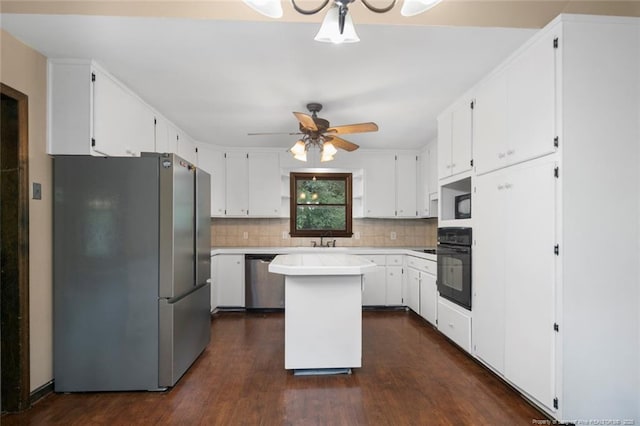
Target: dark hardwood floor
[[410, 375]]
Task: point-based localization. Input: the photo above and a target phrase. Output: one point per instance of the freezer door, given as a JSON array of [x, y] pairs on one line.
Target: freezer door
[[185, 326], [177, 226], [203, 227]]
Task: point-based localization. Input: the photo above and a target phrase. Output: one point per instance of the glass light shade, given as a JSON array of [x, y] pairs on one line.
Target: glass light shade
[[270, 8], [325, 157], [301, 157], [298, 148], [330, 29], [328, 149], [415, 7]]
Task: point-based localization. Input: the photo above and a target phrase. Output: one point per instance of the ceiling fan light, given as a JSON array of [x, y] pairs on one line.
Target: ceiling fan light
[[301, 157], [415, 7], [330, 29], [270, 8], [298, 148], [326, 158], [328, 149]]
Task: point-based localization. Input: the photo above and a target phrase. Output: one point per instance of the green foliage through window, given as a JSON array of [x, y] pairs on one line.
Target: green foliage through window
[[320, 204]]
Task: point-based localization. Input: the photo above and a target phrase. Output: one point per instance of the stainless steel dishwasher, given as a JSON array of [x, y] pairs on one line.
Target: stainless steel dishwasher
[[263, 290]]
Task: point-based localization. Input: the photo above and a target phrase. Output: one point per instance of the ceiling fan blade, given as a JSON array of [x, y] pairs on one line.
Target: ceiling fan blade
[[353, 128], [306, 121], [275, 133], [342, 144]]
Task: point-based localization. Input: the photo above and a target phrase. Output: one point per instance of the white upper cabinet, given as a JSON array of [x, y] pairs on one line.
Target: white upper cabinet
[[163, 140], [122, 124], [237, 181], [253, 184], [427, 192], [515, 109], [186, 148], [454, 139], [406, 185], [265, 194], [490, 124], [390, 185], [91, 113], [380, 185], [212, 161]]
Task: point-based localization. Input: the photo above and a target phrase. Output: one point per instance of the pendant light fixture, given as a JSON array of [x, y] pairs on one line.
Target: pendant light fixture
[[337, 26], [330, 28]]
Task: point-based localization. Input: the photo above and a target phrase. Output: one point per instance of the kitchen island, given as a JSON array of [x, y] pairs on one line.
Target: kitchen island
[[323, 310]]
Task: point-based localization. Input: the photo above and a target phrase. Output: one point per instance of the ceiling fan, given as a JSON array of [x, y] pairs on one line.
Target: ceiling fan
[[317, 132]]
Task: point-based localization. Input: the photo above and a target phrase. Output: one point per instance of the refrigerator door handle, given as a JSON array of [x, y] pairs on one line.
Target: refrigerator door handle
[[172, 300]]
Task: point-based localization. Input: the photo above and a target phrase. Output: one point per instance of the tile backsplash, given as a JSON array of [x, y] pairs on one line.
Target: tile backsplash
[[371, 233]]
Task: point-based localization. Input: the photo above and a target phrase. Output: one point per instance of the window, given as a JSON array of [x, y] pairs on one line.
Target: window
[[320, 205]]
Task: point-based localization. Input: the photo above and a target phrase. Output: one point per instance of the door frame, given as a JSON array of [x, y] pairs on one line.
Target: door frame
[[23, 399]]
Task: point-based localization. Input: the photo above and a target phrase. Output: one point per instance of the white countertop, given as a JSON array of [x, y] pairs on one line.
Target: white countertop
[[320, 264], [324, 250]]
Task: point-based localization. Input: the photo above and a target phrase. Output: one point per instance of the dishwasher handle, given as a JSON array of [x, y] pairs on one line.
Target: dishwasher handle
[[264, 258]]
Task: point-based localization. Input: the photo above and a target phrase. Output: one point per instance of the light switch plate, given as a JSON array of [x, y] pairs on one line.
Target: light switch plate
[[37, 191], [393, 235]]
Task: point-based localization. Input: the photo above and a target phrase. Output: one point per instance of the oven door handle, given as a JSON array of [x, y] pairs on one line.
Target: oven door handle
[[451, 250]]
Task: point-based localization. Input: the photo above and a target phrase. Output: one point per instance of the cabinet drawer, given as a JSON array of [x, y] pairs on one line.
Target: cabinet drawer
[[394, 260], [378, 259], [422, 264], [455, 325]]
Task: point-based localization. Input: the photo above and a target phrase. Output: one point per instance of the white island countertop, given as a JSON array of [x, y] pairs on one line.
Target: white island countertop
[[320, 264]]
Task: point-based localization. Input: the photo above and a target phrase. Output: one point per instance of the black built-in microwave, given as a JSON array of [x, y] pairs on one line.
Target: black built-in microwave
[[463, 206]]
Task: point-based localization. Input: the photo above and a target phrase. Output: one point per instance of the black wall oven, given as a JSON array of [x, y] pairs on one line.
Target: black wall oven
[[454, 265]]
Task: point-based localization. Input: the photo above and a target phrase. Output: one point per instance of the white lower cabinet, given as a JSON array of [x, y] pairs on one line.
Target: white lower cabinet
[[421, 293], [394, 285], [383, 286], [374, 291], [214, 283], [228, 278], [428, 297], [455, 323], [412, 290]]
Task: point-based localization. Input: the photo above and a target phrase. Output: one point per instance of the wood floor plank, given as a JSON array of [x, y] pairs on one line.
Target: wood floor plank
[[410, 375]]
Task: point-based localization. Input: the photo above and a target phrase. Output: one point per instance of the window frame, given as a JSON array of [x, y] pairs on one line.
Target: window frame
[[293, 204]]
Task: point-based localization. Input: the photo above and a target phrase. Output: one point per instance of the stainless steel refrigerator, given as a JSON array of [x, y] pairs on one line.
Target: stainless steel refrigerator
[[132, 271]]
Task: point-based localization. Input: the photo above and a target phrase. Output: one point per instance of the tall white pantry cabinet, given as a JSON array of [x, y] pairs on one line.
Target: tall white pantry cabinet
[[556, 148]]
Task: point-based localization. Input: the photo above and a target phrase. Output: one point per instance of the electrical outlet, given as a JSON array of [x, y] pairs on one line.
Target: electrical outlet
[[356, 235], [393, 235], [285, 235], [245, 235]]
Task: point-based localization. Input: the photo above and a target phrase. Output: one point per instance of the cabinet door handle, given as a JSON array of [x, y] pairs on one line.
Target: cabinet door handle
[[511, 152], [507, 185], [453, 165], [448, 166], [501, 155], [500, 187]]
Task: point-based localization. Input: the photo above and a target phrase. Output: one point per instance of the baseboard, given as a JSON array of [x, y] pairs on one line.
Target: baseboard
[[41, 392]]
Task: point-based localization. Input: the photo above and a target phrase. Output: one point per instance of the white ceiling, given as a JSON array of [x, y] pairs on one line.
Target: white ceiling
[[219, 80]]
